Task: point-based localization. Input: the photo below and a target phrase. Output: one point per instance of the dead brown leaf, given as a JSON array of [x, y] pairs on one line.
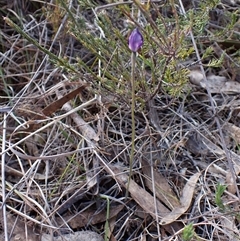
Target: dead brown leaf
[[215, 83], [19, 230], [89, 217], [230, 227], [233, 131], [87, 131], [163, 191], [53, 107], [112, 225], [195, 144], [230, 179], [33, 113], [185, 200], [141, 196]]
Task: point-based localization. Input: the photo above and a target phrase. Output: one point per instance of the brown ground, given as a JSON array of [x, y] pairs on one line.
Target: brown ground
[[67, 169]]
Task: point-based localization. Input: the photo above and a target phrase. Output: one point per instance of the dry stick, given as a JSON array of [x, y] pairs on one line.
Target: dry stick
[[213, 108], [154, 194], [4, 211]]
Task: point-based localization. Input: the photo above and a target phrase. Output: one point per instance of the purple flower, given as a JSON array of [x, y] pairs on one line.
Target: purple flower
[[135, 40]]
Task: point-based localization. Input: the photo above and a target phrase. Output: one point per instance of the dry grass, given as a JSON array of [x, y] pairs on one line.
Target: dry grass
[[66, 121]]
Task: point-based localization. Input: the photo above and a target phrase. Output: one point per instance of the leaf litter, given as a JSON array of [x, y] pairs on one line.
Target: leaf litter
[[185, 201]]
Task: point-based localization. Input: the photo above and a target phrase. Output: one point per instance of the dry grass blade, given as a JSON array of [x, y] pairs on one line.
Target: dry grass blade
[[3, 180]]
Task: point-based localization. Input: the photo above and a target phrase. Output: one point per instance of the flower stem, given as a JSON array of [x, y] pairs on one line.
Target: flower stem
[[133, 62]]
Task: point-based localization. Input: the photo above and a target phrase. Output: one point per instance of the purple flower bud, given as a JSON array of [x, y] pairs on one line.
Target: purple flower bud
[[135, 40]]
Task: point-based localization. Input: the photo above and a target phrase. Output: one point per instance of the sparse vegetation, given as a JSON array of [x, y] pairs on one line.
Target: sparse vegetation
[[218, 198], [188, 232], [75, 129]]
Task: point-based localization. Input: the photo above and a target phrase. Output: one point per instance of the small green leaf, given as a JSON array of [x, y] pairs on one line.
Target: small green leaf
[[188, 232], [218, 198]]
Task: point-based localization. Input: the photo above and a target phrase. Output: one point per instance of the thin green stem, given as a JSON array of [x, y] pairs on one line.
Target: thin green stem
[[133, 61], [107, 227]]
